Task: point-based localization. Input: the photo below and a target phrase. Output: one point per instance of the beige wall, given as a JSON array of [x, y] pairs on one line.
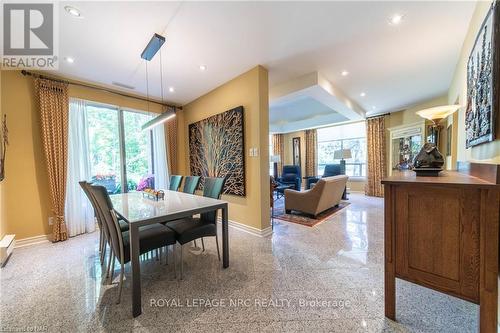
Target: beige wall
[[25, 189], [250, 90], [487, 152]]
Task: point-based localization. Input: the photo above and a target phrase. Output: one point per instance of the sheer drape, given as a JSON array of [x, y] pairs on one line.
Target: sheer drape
[[172, 143], [78, 210], [160, 162], [375, 140], [278, 149], [53, 102], [311, 152]]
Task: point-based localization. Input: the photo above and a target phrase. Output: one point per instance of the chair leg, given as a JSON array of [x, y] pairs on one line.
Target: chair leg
[[175, 262], [166, 255], [157, 254], [195, 245], [112, 270], [217, 244], [182, 265], [103, 253], [109, 262], [202, 245], [120, 287], [100, 241]]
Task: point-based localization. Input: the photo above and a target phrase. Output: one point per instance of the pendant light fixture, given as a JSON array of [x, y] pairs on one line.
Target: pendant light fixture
[[148, 54]]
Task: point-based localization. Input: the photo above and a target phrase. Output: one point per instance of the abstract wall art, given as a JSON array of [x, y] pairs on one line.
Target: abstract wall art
[[216, 149], [482, 78]]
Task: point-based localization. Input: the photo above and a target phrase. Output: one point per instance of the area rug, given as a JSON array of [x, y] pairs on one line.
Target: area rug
[[304, 219]]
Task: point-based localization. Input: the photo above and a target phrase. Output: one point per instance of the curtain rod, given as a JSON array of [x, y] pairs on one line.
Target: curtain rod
[[378, 115], [35, 75]]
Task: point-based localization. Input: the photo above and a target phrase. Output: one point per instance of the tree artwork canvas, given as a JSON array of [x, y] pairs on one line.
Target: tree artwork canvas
[[216, 149], [482, 75]]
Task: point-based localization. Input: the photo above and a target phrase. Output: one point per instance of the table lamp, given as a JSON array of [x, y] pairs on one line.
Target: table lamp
[[342, 155]]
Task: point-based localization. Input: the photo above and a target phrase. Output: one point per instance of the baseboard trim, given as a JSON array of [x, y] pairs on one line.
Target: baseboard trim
[[32, 241], [248, 229]]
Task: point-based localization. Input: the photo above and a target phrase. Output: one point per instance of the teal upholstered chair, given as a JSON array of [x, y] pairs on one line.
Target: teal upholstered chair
[[190, 229], [175, 182], [191, 184]]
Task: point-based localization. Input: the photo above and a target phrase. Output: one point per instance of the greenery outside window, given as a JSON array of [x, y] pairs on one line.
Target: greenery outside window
[[121, 154]]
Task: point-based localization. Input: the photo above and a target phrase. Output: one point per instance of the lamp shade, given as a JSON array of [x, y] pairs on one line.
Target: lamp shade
[[437, 113], [158, 120], [342, 154], [275, 159]]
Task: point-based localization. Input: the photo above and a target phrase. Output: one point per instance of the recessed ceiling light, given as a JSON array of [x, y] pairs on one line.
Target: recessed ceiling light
[[396, 19], [69, 59], [203, 67], [344, 73], [171, 89], [362, 94], [73, 11]]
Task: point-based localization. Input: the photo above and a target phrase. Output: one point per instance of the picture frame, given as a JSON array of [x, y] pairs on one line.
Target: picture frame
[[483, 75], [296, 151]]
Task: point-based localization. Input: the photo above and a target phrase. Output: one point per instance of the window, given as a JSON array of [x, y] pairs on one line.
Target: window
[[336, 138], [121, 154]]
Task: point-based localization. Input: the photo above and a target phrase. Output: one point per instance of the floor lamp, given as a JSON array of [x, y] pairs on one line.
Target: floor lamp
[[275, 159]]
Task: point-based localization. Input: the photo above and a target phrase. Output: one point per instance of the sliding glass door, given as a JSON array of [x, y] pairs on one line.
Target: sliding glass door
[[121, 154], [138, 151], [104, 147]]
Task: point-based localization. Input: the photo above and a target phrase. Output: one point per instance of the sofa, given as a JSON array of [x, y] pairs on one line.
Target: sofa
[[326, 194], [291, 175]]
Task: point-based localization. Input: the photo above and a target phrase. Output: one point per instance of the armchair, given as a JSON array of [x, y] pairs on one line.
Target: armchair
[[330, 171], [291, 175]]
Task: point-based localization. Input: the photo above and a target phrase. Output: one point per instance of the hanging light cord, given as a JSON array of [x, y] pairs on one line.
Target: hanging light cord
[[161, 76]]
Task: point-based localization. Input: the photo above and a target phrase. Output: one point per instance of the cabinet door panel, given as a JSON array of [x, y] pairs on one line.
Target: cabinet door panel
[[437, 238]]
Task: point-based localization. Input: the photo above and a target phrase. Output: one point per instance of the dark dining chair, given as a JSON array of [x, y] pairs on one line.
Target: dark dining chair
[[175, 183], [191, 184], [151, 237], [189, 229]]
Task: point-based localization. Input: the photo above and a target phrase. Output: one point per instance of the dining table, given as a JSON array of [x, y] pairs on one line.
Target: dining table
[[138, 210]]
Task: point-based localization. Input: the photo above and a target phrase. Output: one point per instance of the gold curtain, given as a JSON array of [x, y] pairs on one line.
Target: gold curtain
[[54, 108], [375, 140], [311, 152], [171, 127], [279, 149]]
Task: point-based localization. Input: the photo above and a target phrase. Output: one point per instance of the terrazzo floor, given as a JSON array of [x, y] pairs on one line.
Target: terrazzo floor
[[323, 279]]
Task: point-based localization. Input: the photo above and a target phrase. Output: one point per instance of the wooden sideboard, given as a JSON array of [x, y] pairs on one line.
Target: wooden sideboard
[[443, 233]]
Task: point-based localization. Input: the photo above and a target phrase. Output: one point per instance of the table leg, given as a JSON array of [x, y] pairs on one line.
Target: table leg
[[136, 270], [225, 238]]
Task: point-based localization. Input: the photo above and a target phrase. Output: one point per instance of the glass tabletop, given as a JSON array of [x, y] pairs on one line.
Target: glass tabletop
[[135, 207]]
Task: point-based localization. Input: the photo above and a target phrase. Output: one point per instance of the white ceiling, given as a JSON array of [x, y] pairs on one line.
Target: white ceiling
[[395, 65], [290, 115]]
